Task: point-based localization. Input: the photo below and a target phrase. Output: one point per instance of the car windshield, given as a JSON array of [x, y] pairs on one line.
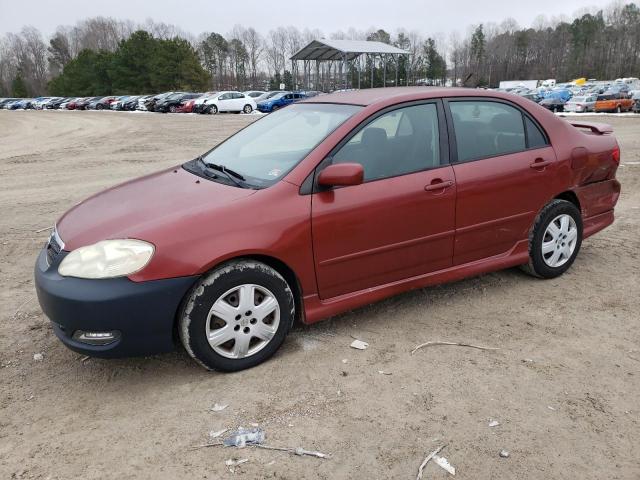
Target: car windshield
[[277, 96], [269, 148]]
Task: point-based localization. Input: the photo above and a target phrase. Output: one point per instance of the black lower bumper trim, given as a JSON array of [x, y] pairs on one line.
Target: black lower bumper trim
[[144, 312]]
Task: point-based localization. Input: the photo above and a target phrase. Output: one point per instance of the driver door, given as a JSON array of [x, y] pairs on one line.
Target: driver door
[[399, 222]]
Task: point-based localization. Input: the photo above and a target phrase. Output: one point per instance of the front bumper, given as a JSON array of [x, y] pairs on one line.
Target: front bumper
[[143, 312]]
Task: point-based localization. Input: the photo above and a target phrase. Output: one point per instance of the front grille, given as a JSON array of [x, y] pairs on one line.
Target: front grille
[[53, 247]]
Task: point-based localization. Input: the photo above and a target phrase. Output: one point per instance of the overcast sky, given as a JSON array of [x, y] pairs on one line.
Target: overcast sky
[[196, 16]]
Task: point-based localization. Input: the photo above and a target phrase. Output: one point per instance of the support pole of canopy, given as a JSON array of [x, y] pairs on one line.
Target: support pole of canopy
[[384, 73], [397, 57], [372, 62]]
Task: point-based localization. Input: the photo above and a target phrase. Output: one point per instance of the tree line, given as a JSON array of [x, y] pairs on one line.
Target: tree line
[[104, 55]]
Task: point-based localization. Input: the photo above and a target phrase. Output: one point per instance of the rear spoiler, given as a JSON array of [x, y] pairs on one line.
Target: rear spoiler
[[598, 128]]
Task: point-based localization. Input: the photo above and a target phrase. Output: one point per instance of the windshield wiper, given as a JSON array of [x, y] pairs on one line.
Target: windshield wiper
[[230, 174]]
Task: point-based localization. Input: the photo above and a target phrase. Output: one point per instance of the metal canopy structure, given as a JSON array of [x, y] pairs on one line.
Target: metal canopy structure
[[344, 55]]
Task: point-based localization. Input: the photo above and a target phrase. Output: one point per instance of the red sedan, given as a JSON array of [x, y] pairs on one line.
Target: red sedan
[[186, 106], [324, 206]]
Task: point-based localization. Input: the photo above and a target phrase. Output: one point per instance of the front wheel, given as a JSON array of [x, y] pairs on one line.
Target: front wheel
[[213, 110], [173, 109], [555, 239], [237, 316]]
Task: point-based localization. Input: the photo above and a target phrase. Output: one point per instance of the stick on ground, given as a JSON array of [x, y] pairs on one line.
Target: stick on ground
[[430, 344], [426, 460]]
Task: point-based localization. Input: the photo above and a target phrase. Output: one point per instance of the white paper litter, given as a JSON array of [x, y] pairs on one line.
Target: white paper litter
[[218, 407], [216, 434], [38, 357], [444, 463], [359, 345], [494, 423]]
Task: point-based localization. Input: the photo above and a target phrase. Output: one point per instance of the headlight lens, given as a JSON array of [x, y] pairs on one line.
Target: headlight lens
[[107, 259]]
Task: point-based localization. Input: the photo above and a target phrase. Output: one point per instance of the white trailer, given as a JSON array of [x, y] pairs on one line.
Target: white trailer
[[530, 84]]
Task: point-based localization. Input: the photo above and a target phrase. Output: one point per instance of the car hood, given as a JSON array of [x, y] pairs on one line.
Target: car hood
[[146, 208]]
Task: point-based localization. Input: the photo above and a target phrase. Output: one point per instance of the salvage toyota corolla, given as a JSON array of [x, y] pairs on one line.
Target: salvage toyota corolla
[[326, 205]]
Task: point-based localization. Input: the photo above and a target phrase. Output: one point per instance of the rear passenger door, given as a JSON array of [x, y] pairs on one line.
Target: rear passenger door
[[239, 101], [505, 172]]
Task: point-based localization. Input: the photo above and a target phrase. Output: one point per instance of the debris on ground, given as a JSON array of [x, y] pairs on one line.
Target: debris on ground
[[254, 437], [245, 436], [218, 407], [216, 434], [38, 357], [382, 372], [296, 451], [431, 344], [232, 463], [85, 358], [359, 345], [494, 423], [344, 360], [426, 460], [444, 463], [504, 453]]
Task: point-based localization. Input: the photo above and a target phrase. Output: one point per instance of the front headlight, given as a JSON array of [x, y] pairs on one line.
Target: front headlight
[[107, 259]]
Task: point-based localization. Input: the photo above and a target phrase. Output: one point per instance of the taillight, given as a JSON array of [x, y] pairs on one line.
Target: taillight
[[615, 155]]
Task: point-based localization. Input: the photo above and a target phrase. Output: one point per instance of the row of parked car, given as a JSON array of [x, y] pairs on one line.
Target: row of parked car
[[174, 102], [602, 97]]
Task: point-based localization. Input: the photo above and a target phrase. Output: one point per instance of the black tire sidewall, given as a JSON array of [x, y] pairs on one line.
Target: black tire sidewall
[[213, 110], [551, 211], [244, 109], [209, 289]]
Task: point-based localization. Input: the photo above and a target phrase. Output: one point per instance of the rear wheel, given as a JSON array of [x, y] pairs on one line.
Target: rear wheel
[[247, 109], [237, 316], [172, 109], [555, 239]]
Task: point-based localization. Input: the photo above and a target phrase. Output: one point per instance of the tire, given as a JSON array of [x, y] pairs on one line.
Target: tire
[[247, 109], [618, 109], [172, 109], [226, 290], [274, 108], [564, 246], [99, 106], [213, 110]]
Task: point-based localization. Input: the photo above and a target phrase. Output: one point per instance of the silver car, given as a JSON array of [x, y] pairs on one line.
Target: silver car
[[581, 104]]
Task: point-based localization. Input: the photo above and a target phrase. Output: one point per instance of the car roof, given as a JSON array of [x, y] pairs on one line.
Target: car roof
[[371, 96]]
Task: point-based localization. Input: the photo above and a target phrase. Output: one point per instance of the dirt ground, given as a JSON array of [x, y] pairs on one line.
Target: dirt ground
[[564, 384]]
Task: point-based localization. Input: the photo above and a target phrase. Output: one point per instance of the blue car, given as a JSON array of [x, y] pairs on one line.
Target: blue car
[[279, 100], [23, 104]]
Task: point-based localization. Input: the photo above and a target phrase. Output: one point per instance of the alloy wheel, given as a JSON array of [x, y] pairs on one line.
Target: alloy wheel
[[242, 321], [559, 241]]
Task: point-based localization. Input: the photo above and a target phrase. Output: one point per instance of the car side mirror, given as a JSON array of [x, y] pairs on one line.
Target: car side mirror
[[341, 174]]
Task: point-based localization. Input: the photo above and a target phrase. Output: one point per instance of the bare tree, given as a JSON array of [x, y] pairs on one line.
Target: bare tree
[[254, 44]]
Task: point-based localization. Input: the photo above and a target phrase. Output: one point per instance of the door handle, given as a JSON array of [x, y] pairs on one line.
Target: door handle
[[540, 163], [438, 185]]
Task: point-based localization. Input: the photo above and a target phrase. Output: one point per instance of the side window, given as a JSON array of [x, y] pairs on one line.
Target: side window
[[238, 95], [486, 129], [534, 136], [401, 141]]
